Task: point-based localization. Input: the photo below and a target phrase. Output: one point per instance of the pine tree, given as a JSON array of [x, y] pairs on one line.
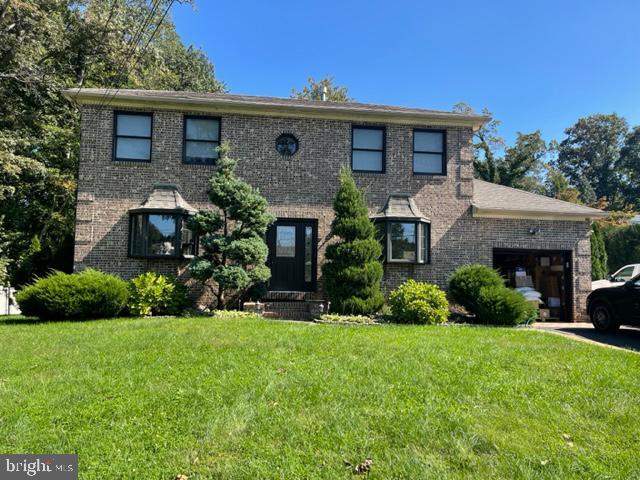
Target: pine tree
[[234, 253], [352, 271]]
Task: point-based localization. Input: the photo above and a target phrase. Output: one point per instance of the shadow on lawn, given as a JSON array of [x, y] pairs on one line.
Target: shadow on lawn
[[20, 320], [628, 338]]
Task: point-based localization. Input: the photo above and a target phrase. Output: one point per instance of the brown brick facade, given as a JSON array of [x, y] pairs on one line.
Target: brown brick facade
[[302, 186]]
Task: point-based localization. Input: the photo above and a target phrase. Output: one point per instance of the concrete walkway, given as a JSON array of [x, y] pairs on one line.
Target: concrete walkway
[[627, 338]]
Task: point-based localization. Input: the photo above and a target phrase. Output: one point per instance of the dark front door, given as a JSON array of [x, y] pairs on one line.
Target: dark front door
[[292, 255]]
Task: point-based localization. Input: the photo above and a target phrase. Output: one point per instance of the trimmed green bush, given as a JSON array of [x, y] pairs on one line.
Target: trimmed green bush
[[353, 271], [346, 319], [155, 294], [62, 296], [467, 281], [504, 306], [417, 302], [233, 315]]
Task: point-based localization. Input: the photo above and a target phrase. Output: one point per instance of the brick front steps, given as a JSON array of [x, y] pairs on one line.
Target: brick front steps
[[288, 306]]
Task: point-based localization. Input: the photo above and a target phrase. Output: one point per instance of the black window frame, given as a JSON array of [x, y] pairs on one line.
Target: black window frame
[[423, 246], [116, 136], [383, 129], [443, 173], [185, 139], [181, 218]]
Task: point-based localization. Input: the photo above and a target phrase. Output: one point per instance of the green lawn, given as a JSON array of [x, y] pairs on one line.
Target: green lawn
[[250, 398]]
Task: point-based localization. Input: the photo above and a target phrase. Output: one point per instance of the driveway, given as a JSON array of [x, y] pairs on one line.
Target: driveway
[[627, 337]]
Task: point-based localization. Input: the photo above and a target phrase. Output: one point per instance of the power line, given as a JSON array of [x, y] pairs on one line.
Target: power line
[[130, 49]]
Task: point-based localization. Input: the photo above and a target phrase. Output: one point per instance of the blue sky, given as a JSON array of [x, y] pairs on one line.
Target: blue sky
[[535, 64]]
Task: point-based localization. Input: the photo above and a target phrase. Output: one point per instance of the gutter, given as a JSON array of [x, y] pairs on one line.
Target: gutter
[[225, 105]]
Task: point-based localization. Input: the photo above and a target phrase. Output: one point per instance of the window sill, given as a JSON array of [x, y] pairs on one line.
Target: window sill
[[161, 257]]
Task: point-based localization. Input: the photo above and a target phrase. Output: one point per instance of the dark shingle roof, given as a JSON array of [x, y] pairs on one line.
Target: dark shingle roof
[[498, 198], [400, 206], [165, 196], [112, 96]]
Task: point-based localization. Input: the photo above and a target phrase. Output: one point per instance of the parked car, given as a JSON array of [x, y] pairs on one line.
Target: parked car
[[611, 307], [619, 277]]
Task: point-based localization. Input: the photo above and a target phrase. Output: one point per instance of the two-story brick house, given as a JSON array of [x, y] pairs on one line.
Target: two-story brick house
[[146, 157]]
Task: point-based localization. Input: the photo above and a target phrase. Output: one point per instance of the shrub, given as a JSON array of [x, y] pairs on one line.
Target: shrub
[[417, 302], [504, 306], [465, 284], [356, 319], [233, 315], [154, 294], [352, 272], [88, 294]]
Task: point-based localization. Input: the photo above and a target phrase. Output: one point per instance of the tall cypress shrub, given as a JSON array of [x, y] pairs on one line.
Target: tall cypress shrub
[[599, 263], [352, 272]]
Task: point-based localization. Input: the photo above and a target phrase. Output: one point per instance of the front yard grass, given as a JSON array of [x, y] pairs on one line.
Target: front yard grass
[[250, 398]]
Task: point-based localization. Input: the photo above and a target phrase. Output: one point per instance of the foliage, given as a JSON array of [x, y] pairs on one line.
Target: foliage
[[590, 158], [234, 253], [419, 302], [233, 315], [500, 305], [599, 261], [88, 294], [153, 294], [467, 281], [630, 168], [352, 271], [346, 319], [521, 163], [623, 246], [557, 186], [46, 46], [314, 90]]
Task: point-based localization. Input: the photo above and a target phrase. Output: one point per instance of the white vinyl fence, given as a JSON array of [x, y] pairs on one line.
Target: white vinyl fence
[[8, 305]]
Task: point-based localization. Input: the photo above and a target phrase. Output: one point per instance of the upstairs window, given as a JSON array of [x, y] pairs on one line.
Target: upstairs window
[[368, 149], [429, 152], [201, 140], [132, 140]]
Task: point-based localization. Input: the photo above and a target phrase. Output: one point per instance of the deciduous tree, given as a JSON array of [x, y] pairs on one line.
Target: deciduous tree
[[315, 89]]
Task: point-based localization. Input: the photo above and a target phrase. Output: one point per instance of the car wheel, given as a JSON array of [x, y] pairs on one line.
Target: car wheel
[[603, 319]]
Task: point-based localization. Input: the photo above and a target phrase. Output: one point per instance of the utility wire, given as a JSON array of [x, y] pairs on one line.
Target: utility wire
[[131, 48]]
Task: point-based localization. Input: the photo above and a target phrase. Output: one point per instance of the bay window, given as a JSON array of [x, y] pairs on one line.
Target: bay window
[[404, 232], [159, 227], [160, 234]]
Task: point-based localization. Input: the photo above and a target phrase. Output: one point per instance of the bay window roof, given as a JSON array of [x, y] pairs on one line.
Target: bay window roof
[[167, 198], [400, 206]]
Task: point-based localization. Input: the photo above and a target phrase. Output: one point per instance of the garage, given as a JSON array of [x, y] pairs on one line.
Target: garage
[[540, 274]]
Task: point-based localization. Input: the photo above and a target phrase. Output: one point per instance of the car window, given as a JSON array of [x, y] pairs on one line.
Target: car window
[[623, 275]]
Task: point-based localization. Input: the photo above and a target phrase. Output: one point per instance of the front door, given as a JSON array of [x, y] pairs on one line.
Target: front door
[[292, 255]]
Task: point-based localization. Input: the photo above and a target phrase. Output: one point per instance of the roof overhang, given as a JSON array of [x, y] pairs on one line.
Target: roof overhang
[[165, 198], [124, 99], [480, 212], [400, 207]]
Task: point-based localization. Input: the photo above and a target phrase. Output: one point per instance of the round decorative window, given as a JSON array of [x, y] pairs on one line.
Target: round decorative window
[[286, 144]]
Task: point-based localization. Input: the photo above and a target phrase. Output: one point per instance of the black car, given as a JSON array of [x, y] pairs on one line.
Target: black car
[[614, 306]]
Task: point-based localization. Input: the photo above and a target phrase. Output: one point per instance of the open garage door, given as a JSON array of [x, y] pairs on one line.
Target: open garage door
[[546, 272]]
